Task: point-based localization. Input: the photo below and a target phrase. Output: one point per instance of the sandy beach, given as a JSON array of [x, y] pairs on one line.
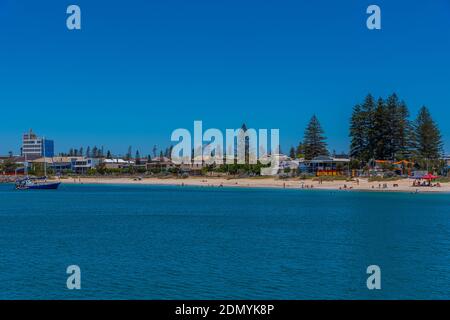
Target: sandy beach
[[403, 185]]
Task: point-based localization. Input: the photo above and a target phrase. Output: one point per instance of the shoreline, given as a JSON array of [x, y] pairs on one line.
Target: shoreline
[[403, 185]]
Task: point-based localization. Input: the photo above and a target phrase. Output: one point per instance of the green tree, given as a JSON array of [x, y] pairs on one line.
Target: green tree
[[292, 153], [403, 134], [8, 166], [314, 140], [362, 130], [398, 135], [380, 130], [368, 109], [382, 135], [129, 154], [138, 157], [427, 137], [300, 151], [358, 134]]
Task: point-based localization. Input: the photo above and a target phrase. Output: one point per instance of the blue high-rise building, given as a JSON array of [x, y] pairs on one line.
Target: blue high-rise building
[[48, 149]]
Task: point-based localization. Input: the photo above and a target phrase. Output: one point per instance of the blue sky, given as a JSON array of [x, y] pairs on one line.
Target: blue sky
[[140, 69]]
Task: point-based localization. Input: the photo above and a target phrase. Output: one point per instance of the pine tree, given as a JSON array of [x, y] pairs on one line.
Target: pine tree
[[362, 131], [428, 139], [314, 140], [382, 134], [399, 129], [88, 152], [246, 144], [300, 150], [391, 126], [358, 134], [381, 131], [108, 155], [292, 153], [138, 157], [129, 154], [402, 133], [368, 109]]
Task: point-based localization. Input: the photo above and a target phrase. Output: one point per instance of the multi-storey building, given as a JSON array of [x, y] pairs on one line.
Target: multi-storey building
[[34, 146]]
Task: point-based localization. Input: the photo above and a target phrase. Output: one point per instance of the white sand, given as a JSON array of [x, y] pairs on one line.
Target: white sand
[[404, 185]]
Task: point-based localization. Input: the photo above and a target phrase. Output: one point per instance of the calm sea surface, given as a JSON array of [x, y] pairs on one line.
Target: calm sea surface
[[154, 242]]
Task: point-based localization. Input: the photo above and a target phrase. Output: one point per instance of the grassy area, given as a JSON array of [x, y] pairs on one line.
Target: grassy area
[[443, 180], [333, 178], [382, 179]]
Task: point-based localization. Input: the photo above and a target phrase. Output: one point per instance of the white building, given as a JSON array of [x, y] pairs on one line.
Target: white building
[[33, 146], [279, 163], [79, 165], [117, 163]]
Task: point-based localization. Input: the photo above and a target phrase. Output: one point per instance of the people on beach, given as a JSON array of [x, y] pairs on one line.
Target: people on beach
[[407, 185]]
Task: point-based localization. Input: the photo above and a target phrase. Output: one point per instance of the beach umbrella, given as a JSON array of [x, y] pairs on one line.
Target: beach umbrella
[[429, 176]]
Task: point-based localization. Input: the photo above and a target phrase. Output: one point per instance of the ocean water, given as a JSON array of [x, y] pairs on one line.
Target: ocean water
[[164, 242]]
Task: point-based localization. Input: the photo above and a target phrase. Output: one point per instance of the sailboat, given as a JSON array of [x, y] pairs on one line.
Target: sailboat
[[36, 184], [28, 183]]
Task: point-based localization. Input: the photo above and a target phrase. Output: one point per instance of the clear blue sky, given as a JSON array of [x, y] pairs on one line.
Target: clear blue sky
[[139, 69]]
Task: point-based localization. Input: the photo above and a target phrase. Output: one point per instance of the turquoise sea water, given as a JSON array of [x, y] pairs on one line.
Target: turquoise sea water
[[155, 242]]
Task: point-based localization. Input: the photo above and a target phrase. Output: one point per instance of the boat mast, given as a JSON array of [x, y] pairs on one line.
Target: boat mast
[[26, 166], [45, 159]]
